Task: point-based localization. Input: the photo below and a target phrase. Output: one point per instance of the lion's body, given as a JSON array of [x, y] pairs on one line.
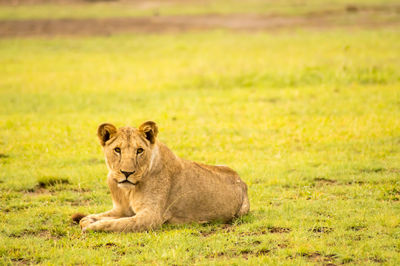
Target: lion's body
[[166, 189]]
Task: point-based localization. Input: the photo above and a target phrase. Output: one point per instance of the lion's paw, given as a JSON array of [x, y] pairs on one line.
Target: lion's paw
[[86, 221]]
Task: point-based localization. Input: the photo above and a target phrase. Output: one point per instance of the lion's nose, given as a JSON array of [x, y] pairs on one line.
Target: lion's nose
[[127, 173]]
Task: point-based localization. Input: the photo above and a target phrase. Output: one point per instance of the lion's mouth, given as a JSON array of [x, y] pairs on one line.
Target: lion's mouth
[[126, 181]]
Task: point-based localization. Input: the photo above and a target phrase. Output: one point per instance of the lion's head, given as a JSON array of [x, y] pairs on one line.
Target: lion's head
[[128, 151]]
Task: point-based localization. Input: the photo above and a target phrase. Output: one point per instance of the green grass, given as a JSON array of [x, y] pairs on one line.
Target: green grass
[[148, 8], [310, 120]]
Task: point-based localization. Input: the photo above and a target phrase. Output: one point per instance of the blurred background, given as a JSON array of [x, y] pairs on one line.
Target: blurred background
[[103, 17]]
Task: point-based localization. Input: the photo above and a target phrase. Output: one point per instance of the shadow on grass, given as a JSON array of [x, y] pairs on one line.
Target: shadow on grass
[[48, 181], [4, 156], [206, 229], [49, 184]]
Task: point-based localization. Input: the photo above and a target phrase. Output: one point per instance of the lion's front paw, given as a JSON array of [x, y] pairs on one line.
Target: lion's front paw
[[98, 226], [86, 221]]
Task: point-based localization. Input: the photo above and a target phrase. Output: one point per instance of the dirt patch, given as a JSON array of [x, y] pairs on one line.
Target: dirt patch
[[49, 181], [136, 3], [110, 244], [245, 253], [320, 258], [262, 252], [45, 185], [321, 229], [377, 259], [37, 191], [270, 229], [379, 170], [52, 184], [356, 227], [40, 233], [248, 252], [278, 230], [283, 245], [372, 170], [392, 194], [223, 228], [22, 261], [208, 233], [352, 9], [183, 23], [168, 24], [227, 228], [15, 207], [355, 182], [324, 180], [36, 2], [106, 245]]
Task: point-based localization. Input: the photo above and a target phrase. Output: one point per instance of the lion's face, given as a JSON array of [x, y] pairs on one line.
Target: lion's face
[[128, 151]]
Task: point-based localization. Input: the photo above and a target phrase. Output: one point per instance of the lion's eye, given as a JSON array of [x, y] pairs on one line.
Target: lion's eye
[[139, 151], [117, 150]]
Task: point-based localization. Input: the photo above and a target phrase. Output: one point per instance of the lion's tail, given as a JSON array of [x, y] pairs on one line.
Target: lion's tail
[[76, 217]]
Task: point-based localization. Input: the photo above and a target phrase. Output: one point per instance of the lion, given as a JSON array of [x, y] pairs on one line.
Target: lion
[[151, 186]]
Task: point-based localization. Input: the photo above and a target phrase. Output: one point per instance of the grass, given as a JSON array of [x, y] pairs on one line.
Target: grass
[[149, 8], [308, 119]]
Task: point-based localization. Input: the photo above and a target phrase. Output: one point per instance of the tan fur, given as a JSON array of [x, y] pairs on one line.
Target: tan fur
[[163, 188]]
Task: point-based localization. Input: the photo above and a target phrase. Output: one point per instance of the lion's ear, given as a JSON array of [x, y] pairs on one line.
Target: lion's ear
[[150, 130], [105, 132]]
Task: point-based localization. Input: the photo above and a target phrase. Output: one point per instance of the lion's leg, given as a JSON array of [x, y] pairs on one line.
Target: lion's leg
[[108, 215], [121, 207], [140, 222]]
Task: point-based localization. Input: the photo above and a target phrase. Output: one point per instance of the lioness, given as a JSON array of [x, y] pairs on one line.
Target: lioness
[[150, 185]]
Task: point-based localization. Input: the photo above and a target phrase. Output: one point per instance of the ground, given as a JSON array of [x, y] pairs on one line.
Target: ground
[[306, 113]]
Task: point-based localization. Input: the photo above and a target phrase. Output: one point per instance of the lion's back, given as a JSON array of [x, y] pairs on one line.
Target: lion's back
[[207, 192]]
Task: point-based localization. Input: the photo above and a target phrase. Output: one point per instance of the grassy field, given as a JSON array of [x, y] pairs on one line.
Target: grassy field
[[309, 119]]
